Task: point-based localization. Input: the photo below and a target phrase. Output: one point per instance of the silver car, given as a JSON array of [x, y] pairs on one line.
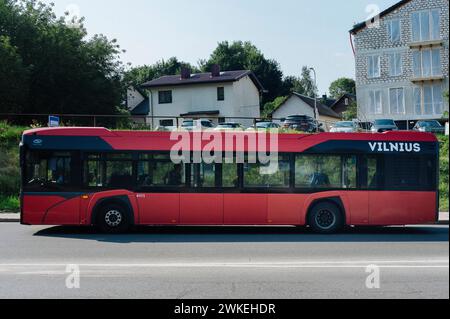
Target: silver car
[[381, 126], [344, 127]]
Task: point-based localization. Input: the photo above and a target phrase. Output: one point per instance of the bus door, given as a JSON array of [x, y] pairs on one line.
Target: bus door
[[203, 204], [159, 184], [249, 207], [386, 207]]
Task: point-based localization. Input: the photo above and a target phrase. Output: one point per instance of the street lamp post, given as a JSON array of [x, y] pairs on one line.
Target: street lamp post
[[316, 111]]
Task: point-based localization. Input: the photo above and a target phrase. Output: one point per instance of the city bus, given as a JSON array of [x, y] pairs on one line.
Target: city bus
[[114, 180]]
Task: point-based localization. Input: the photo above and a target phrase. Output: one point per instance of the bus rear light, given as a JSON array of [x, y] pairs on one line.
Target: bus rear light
[[85, 197]]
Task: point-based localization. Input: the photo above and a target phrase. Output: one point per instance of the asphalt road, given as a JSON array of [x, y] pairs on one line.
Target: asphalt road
[[223, 263]]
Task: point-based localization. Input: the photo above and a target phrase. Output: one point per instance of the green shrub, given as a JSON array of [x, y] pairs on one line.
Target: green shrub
[[9, 159], [9, 204], [444, 174]]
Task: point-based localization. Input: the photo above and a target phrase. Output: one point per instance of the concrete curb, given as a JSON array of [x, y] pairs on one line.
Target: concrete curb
[[443, 219], [9, 218], [15, 218]]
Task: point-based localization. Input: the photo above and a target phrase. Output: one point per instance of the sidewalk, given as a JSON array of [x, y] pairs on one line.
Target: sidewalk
[[15, 218]]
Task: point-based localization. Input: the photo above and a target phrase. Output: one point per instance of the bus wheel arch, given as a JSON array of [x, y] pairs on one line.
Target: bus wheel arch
[[113, 214], [326, 215]]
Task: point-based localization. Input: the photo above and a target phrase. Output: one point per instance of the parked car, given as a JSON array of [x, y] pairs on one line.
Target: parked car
[[380, 126], [429, 127], [263, 126], [166, 128], [345, 127], [191, 125], [302, 123], [224, 127]]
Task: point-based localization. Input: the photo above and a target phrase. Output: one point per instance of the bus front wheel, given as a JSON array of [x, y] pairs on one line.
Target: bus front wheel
[[113, 219], [326, 218]]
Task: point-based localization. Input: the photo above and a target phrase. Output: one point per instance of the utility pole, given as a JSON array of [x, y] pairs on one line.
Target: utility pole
[[316, 111]]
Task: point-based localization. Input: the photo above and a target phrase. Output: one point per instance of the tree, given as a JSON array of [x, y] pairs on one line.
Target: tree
[[270, 107], [61, 71], [342, 86], [307, 83], [245, 56], [351, 113], [292, 84], [13, 78]]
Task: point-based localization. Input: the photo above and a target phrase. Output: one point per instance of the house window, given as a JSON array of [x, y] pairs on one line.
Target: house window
[[427, 63], [395, 64], [428, 99], [346, 101], [394, 32], [374, 66], [397, 101], [375, 106], [220, 94], [165, 97], [425, 26]]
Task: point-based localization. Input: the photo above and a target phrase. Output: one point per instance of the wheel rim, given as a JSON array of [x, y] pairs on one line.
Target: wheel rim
[[325, 219], [113, 218]]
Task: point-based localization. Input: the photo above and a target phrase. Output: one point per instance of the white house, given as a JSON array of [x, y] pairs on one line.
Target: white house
[[297, 104], [219, 96]]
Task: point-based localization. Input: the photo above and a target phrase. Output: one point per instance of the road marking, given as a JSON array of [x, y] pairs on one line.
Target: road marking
[[312, 264]]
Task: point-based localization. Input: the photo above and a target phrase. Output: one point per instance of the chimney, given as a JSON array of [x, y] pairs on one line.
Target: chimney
[[185, 73], [324, 97], [215, 70]]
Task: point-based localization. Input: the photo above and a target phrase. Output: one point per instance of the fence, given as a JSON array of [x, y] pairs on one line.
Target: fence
[[130, 122]]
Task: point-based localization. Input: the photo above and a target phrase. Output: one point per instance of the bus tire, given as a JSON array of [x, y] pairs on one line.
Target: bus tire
[[113, 219], [326, 218]]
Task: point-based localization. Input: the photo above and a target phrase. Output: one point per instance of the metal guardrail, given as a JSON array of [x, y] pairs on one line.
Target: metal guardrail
[[118, 121]]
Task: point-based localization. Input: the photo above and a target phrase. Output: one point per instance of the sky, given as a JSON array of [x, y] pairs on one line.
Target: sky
[[293, 32]]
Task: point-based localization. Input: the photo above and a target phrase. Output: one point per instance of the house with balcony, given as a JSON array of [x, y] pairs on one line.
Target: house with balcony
[[218, 96], [402, 62]]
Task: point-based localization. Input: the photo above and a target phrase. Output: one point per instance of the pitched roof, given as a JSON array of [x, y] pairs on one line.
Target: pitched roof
[[323, 109], [328, 102], [203, 78], [142, 108], [360, 26], [346, 95]]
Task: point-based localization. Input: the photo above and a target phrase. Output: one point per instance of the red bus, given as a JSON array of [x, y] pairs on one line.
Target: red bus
[[117, 179]]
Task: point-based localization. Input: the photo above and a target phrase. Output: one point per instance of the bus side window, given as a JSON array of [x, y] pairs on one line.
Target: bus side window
[[158, 170], [48, 168], [370, 172]]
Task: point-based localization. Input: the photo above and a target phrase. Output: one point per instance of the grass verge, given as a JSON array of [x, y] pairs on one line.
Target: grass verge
[[9, 204]]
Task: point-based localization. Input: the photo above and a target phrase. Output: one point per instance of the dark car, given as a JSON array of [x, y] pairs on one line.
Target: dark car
[[429, 127], [381, 126], [264, 126], [302, 123]]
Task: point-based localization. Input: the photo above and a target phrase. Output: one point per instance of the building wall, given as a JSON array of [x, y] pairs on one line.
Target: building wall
[[133, 98], [241, 100], [293, 106], [246, 101], [374, 40]]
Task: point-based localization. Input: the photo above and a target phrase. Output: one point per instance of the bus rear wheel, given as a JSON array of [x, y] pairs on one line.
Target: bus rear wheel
[[326, 218], [113, 219]]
